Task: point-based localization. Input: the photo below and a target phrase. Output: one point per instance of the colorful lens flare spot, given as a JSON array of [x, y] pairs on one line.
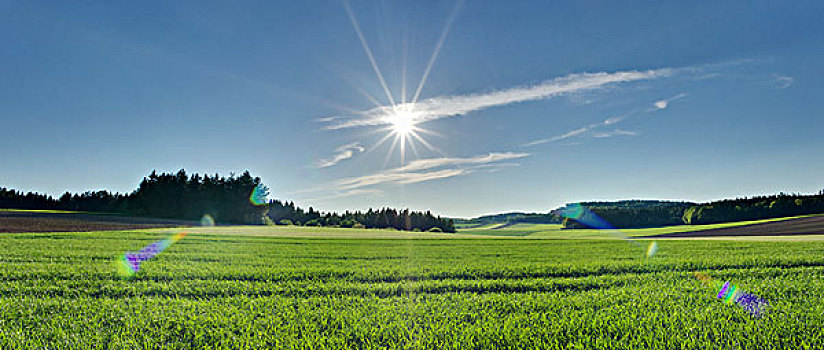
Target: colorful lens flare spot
[[729, 293], [129, 263], [207, 220], [573, 211], [258, 195], [652, 249], [585, 216], [588, 218]]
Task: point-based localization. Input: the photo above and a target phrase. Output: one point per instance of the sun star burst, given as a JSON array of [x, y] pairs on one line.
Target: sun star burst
[[400, 116], [403, 123]]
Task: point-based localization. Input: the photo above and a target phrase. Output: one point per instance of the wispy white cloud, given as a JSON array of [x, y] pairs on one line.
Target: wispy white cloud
[[657, 105], [613, 120], [450, 106], [429, 163], [783, 81], [429, 169], [579, 131], [662, 104], [328, 119], [458, 105], [342, 153], [616, 132], [341, 194], [569, 134]]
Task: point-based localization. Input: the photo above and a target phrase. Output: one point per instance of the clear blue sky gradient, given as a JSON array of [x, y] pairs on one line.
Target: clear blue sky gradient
[[96, 94]]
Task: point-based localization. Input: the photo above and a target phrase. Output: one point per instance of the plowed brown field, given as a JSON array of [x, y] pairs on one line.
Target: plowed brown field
[[24, 221], [801, 226]]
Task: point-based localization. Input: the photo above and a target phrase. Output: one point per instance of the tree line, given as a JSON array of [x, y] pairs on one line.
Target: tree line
[[286, 213], [174, 196], [755, 208], [230, 200], [631, 213], [640, 214]]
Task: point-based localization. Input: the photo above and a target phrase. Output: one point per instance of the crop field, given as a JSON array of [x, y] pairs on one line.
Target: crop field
[[213, 290]]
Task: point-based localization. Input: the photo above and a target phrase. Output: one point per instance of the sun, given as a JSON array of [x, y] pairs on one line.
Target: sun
[[403, 122], [401, 117], [402, 126]]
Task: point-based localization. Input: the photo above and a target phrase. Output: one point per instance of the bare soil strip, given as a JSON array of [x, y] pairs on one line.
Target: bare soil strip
[[792, 227], [12, 221]]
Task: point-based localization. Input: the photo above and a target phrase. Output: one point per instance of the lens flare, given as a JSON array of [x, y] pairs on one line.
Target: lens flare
[[729, 294], [258, 195], [207, 220], [129, 263], [652, 249], [573, 211], [587, 217]]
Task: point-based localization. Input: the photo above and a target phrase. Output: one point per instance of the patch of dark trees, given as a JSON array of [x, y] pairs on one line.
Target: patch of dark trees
[[226, 199], [173, 196], [640, 214], [286, 213], [631, 213], [755, 208]]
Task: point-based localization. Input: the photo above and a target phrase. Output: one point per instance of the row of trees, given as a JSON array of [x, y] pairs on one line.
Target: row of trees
[[755, 208], [226, 199], [630, 213], [286, 213], [234, 199], [175, 196], [639, 214], [87, 201]]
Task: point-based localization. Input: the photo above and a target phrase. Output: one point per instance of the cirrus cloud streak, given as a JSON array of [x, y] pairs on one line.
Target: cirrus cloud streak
[[429, 169], [342, 153], [451, 106]]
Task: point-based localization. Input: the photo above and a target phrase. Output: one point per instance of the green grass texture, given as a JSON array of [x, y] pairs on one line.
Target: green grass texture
[[254, 291]]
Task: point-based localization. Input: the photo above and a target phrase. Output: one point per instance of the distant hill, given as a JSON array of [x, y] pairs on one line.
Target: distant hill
[[641, 213], [638, 213], [635, 213], [510, 218]]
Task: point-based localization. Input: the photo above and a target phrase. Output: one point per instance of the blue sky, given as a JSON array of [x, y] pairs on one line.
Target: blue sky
[[527, 105]]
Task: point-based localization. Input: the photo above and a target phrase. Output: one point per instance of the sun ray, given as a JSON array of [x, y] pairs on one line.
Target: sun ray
[[429, 132], [402, 118], [403, 69], [391, 150], [426, 144], [368, 51], [349, 81], [403, 146], [437, 50], [412, 146], [368, 96], [379, 143]]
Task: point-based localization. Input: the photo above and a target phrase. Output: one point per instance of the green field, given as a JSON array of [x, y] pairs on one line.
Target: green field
[[235, 287]]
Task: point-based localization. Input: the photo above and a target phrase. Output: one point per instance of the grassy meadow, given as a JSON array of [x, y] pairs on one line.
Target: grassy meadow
[[315, 288]]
